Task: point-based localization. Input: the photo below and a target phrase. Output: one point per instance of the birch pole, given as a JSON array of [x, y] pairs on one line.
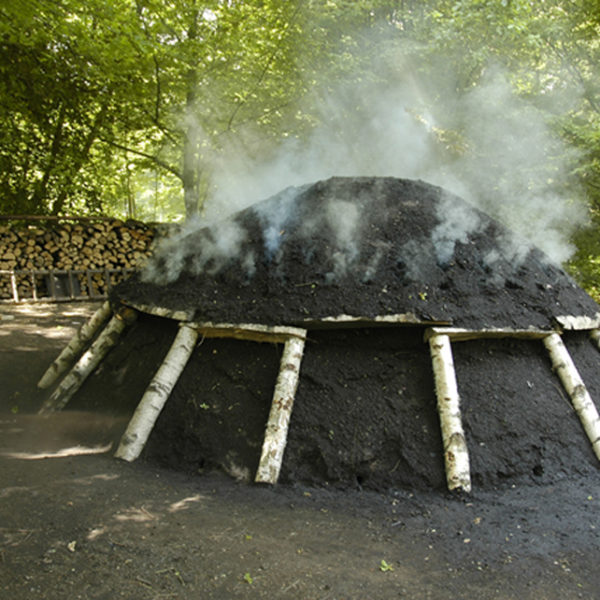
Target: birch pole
[[456, 453], [90, 359], [76, 345], [571, 380], [157, 393], [281, 411]]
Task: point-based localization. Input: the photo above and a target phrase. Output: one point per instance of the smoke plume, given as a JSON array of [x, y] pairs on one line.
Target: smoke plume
[[510, 166]]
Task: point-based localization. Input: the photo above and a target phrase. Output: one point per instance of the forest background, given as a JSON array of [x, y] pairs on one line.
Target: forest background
[[166, 110]]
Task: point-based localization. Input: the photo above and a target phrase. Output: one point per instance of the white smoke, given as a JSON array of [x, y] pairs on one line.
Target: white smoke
[[274, 218], [510, 166], [363, 130], [515, 168], [186, 250], [456, 222], [343, 219]]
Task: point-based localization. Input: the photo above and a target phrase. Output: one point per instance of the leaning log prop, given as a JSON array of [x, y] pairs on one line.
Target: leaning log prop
[[574, 386], [88, 362], [456, 453], [135, 437], [141, 424], [281, 411], [75, 347]]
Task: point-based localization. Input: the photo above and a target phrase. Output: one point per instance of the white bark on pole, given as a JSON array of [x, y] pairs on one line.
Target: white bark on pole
[[456, 454], [90, 359], [578, 323], [74, 348], [281, 411], [138, 431], [569, 376], [13, 284]]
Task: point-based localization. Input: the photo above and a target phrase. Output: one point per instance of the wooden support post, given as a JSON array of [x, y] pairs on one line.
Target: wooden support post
[[74, 348], [456, 454], [89, 361], [70, 282], [281, 411], [34, 294], [90, 286], [52, 282], [13, 285], [582, 402], [138, 431]]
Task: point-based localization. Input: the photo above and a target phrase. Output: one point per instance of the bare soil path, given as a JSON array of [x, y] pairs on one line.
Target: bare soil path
[[76, 523]]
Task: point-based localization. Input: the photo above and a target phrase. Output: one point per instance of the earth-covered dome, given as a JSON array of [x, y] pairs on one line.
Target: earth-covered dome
[[414, 309], [362, 247]]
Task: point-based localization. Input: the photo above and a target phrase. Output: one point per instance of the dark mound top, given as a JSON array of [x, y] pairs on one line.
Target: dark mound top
[[361, 247]]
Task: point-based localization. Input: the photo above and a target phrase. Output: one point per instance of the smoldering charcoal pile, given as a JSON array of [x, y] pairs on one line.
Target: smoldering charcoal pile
[[363, 247], [365, 409]]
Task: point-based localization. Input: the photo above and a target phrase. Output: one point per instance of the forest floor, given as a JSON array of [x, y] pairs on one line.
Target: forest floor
[[76, 523]]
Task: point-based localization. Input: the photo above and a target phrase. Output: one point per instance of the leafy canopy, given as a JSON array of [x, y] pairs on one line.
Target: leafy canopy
[[131, 106]]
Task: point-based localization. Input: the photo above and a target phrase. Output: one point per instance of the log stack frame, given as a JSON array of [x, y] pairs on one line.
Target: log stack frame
[[58, 259], [439, 338]]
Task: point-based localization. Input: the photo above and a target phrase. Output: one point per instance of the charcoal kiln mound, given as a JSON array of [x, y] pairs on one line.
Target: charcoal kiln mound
[[363, 247], [412, 341]]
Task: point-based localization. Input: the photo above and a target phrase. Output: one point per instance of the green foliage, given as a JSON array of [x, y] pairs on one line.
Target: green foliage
[[127, 106]]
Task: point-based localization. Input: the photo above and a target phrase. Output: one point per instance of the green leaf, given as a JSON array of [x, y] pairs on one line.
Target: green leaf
[[384, 566]]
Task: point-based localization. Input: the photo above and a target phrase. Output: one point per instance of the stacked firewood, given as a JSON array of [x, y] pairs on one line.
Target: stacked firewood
[[97, 253]]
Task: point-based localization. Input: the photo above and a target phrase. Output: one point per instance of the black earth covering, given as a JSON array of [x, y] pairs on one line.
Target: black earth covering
[[362, 247], [365, 410]]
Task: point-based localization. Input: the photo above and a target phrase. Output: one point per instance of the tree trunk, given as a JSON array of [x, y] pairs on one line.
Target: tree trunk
[[190, 187], [41, 189], [80, 159], [191, 135]]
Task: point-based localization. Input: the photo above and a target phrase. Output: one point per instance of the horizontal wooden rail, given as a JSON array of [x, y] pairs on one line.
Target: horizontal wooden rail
[[60, 285]]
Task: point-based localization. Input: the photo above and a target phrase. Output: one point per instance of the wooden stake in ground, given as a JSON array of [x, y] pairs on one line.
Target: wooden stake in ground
[[456, 454], [75, 346], [281, 411], [135, 437], [90, 359], [574, 386]]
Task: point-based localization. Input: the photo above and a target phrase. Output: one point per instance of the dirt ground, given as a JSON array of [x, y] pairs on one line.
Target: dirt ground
[[76, 523]]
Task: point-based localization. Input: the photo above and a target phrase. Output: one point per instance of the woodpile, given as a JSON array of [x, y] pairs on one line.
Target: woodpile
[[79, 258]]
